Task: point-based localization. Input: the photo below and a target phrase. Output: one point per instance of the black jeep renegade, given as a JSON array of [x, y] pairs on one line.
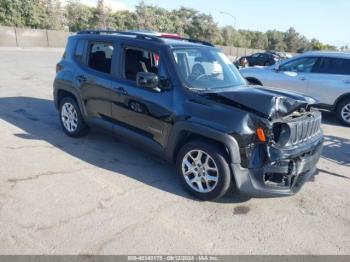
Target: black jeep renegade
[[185, 101]]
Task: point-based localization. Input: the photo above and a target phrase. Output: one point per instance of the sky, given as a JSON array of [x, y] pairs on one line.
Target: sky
[[326, 20]]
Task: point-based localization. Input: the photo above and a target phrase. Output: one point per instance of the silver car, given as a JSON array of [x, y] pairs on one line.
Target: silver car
[[322, 75]]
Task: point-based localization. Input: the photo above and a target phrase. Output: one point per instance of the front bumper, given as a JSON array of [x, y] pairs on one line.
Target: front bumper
[[280, 177]]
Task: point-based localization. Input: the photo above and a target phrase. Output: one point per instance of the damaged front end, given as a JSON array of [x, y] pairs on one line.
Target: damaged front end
[[286, 159]]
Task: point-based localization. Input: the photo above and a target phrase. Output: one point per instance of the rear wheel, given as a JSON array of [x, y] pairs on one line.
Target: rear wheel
[[343, 112], [71, 119], [203, 170]]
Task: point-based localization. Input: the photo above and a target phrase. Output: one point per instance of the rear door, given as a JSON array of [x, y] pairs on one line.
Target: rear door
[[95, 80], [293, 75], [330, 79]]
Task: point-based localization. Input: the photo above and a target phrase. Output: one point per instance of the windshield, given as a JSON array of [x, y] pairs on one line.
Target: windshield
[[206, 68]]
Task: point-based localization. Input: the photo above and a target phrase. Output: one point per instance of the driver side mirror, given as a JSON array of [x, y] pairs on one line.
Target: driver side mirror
[[147, 79]]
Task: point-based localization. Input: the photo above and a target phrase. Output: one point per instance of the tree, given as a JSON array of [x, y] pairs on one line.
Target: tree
[[78, 16], [259, 40], [203, 27], [125, 20], [10, 13], [54, 15], [292, 40], [103, 15], [154, 18], [183, 20], [228, 35], [276, 40], [188, 22], [22, 13]]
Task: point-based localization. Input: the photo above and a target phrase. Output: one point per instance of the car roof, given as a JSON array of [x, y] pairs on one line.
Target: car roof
[[140, 36], [333, 54]]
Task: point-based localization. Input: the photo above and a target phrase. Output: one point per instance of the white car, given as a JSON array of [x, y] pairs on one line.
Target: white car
[[322, 75]]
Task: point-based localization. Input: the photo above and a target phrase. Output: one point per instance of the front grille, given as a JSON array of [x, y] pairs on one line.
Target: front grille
[[305, 129]]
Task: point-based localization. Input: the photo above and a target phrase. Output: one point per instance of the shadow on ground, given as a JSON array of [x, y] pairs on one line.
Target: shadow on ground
[[330, 118], [39, 121], [337, 150]]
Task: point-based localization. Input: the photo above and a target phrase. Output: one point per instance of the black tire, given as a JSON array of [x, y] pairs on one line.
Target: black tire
[[218, 155], [343, 105], [81, 128]]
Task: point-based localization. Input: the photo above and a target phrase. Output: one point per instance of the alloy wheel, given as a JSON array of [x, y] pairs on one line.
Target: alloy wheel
[[200, 171], [345, 113], [69, 117]]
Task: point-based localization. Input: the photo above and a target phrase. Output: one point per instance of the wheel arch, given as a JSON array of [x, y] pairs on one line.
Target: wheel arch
[[60, 93], [341, 99], [184, 132], [253, 80]]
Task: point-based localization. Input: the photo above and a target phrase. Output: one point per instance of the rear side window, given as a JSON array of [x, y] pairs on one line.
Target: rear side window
[[100, 56], [79, 50], [337, 66]]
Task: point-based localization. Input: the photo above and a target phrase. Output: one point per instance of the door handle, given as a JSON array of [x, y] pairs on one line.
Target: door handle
[[302, 78], [81, 78], [120, 91], [347, 81]]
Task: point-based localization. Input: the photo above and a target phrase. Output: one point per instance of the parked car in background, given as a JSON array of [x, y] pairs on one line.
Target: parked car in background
[[260, 59], [281, 55], [322, 75]]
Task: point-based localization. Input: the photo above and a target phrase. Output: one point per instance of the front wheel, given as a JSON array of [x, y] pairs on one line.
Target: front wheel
[[343, 112], [203, 170]]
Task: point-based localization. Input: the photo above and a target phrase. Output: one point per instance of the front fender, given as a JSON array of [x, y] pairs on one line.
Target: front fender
[[182, 127]]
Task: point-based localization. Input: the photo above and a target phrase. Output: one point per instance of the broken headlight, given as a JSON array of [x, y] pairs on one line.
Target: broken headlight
[[281, 133]]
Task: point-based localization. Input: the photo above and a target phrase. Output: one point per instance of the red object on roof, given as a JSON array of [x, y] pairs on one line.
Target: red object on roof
[[168, 35]]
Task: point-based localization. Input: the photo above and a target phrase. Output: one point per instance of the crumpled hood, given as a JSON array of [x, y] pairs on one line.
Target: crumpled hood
[[266, 102]]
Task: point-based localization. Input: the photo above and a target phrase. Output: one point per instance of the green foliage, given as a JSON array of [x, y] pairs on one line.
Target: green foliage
[[55, 19], [125, 20], [187, 22], [29, 13], [78, 16]]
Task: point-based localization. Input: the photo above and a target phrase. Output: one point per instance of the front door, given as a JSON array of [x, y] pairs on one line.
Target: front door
[[293, 75], [142, 110]]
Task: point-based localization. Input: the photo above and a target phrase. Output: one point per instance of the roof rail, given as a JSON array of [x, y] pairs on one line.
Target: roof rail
[[138, 35], [141, 36], [198, 41]]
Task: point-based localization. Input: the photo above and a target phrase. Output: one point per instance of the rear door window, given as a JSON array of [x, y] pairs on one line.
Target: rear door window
[[100, 56], [337, 66]]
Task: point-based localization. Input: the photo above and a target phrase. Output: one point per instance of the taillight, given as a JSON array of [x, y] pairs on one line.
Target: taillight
[[58, 68]]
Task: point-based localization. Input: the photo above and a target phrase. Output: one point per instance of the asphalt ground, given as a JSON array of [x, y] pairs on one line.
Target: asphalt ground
[[100, 195]]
